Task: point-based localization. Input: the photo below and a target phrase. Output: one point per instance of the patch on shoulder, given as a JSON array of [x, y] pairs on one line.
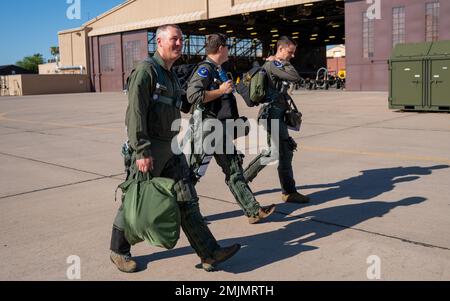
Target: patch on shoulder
[[278, 64], [203, 72]]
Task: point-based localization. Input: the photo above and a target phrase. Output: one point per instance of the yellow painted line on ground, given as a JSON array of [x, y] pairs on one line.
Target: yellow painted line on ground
[[63, 125], [306, 148], [3, 114], [376, 154]]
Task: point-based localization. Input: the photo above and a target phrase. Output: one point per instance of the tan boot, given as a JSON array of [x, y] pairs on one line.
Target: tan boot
[[220, 255], [123, 262], [263, 213], [295, 198]]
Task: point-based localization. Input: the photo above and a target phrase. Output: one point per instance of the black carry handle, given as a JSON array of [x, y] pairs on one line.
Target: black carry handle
[[292, 104]]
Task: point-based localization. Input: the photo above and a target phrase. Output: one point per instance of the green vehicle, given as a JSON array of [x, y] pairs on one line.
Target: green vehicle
[[419, 77]]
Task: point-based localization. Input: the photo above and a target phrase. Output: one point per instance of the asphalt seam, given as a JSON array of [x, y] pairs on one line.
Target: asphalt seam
[[70, 136], [61, 186], [42, 132], [422, 244], [73, 126], [51, 164], [405, 129], [19, 130]]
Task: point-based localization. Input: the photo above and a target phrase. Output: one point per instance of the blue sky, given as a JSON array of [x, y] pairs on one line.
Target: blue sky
[[29, 26]]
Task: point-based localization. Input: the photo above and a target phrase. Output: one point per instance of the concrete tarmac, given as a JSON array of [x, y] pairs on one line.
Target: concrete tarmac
[[379, 181]]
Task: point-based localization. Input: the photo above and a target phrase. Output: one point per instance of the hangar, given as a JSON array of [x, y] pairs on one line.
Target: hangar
[[109, 45]]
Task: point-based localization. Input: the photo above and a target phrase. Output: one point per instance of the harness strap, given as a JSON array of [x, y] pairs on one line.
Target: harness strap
[[161, 84]]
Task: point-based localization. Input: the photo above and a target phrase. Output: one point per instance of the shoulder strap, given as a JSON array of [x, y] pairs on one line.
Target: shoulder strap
[[292, 103], [198, 104], [255, 70], [161, 83], [157, 67], [205, 62]]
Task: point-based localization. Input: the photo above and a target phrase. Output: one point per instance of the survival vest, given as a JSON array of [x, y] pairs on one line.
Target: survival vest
[[253, 86]]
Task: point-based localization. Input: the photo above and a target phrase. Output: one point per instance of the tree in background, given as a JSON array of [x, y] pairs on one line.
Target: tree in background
[[31, 62], [55, 53]]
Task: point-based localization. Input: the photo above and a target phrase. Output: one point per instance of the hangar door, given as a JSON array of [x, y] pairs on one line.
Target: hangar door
[[114, 56], [110, 52]]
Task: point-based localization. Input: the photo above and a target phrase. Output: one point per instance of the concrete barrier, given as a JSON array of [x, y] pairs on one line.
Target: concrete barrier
[[34, 84]]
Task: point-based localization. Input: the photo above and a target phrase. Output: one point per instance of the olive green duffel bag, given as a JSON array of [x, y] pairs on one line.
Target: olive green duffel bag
[[151, 211]]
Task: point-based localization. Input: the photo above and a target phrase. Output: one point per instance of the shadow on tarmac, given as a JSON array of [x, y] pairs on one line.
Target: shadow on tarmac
[[266, 248], [371, 183]]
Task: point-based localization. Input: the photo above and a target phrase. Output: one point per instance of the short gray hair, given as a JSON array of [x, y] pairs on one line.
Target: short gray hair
[[163, 28]]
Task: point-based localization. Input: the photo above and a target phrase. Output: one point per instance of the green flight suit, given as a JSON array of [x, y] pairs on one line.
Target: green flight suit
[[231, 164], [276, 109], [149, 131]]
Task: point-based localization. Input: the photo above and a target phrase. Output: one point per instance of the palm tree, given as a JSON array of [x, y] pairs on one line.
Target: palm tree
[[55, 52]]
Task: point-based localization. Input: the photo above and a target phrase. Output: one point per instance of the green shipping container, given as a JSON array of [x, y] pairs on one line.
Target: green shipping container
[[420, 77]]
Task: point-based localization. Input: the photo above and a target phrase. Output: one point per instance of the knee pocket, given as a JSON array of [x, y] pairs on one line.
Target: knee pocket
[[188, 209], [236, 162], [185, 191], [235, 179]]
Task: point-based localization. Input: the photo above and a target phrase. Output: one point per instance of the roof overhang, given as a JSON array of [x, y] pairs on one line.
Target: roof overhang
[[259, 5], [151, 23], [109, 12], [78, 29]]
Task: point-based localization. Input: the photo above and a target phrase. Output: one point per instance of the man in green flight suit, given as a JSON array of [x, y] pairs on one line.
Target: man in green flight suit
[[149, 117], [212, 93], [280, 73]]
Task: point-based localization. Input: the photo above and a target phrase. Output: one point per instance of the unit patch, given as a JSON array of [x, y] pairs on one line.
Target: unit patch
[[278, 64], [203, 72]]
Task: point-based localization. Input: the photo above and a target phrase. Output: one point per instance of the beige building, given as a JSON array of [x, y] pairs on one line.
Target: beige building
[[73, 48], [35, 84], [336, 51], [109, 45], [336, 59], [50, 68]]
